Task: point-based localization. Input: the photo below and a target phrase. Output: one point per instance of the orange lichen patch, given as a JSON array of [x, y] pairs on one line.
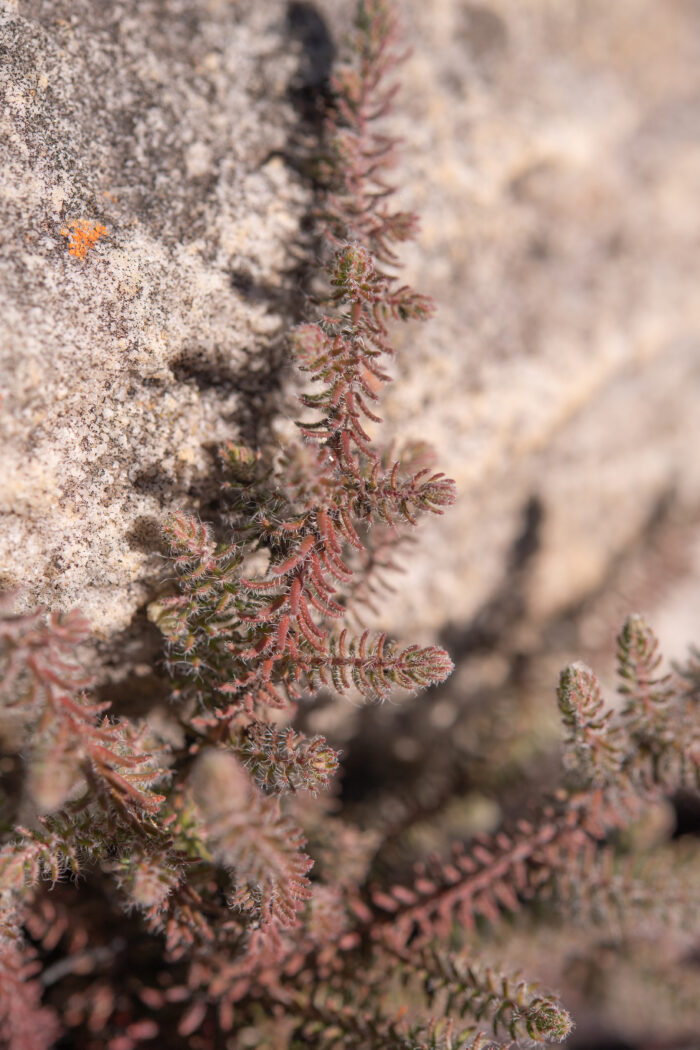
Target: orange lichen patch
[[83, 236]]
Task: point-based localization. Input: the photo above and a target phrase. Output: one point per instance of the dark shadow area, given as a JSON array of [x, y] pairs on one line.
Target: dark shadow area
[[437, 771], [258, 385], [507, 604], [310, 29], [438, 764], [600, 1042], [146, 535], [157, 482], [256, 291], [134, 680], [112, 947], [483, 31], [686, 805]]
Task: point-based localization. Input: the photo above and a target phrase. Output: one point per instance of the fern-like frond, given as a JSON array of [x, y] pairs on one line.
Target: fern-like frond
[[647, 693], [376, 666], [284, 760], [248, 834], [594, 747], [496, 873], [25, 1024], [37, 658], [69, 744], [653, 745], [511, 1005]]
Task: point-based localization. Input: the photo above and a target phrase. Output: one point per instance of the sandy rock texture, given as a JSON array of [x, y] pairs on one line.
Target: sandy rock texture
[[164, 123], [553, 152]]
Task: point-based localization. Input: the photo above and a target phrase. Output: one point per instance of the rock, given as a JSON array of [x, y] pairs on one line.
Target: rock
[[165, 124], [552, 152]]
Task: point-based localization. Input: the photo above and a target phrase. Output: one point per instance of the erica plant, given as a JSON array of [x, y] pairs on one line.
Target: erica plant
[[186, 879], [258, 622]]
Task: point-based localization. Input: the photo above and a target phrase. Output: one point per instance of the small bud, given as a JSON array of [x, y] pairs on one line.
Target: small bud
[[240, 460], [548, 1020]]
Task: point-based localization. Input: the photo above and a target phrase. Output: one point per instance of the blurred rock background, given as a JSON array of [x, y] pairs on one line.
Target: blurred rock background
[[553, 155]]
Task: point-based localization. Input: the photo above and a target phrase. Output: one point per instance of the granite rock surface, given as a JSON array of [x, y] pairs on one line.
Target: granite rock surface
[[165, 124]]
